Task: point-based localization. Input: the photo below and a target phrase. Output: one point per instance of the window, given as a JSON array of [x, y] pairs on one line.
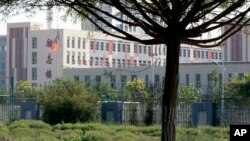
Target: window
[[73, 42], [188, 53], [98, 79], [159, 49], [68, 40], [128, 48], [78, 42], [113, 62], [34, 85], [34, 57], [119, 47], [87, 79], [164, 50], [76, 78], [194, 53], [144, 49], [198, 54], [184, 53], [123, 81], [206, 54], [197, 81], [113, 81], [119, 62], [91, 45], [101, 61], [128, 63], [133, 77], [149, 63], [155, 50], [212, 54], [123, 62], [135, 63], [68, 56], [220, 56], [187, 79], [96, 61], [123, 47], [180, 53], [83, 43], [135, 49], [102, 46], [79, 58], [157, 80], [149, 50], [140, 49], [113, 46], [146, 80], [216, 55], [202, 54], [97, 45], [91, 61], [34, 73], [107, 46], [73, 57], [229, 77], [34, 42]]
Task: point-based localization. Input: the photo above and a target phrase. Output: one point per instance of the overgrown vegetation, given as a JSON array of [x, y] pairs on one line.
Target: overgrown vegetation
[[67, 101], [238, 89], [24, 130]]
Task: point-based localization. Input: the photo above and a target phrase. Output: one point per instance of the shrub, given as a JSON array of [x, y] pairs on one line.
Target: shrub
[[67, 101], [4, 132]]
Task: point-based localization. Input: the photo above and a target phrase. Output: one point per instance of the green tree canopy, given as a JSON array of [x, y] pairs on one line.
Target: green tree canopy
[[188, 94], [67, 101], [238, 90], [103, 91], [136, 90]]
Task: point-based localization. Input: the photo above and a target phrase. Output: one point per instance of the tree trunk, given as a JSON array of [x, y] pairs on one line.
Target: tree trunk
[[169, 97]]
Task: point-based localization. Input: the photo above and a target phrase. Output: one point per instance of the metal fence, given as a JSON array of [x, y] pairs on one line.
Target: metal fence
[[233, 114]]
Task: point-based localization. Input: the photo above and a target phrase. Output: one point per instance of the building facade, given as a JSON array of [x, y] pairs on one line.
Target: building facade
[[31, 57], [190, 73], [236, 48], [3, 62]]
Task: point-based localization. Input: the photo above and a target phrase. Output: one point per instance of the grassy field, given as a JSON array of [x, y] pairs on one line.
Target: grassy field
[[39, 131]]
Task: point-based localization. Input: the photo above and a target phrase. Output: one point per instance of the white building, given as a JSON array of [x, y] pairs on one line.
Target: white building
[[30, 56], [190, 73]]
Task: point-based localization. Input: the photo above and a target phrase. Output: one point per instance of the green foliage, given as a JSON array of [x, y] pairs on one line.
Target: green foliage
[[30, 124], [136, 90], [149, 111], [25, 130], [23, 89], [188, 94], [67, 101], [103, 91], [4, 131], [238, 89], [213, 83]]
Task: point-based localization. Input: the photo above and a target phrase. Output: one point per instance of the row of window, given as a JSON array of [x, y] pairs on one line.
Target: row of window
[[209, 79], [121, 62], [71, 42], [81, 57], [200, 54], [125, 47], [123, 79]]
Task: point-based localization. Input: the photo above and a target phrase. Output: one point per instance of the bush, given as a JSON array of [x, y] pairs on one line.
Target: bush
[[30, 124], [67, 101], [4, 131]]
